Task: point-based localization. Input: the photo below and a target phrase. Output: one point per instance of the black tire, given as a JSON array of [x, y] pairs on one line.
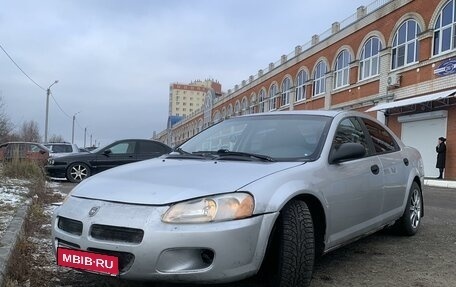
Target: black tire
[[410, 221], [77, 172], [291, 253]]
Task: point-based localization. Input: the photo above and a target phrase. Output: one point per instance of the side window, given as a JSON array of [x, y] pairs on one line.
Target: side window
[[151, 147], [34, 148], [350, 131], [123, 148], [383, 141]]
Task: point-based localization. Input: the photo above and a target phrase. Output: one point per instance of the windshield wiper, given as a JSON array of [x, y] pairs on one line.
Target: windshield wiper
[[180, 151], [226, 153], [219, 154], [182, 154]]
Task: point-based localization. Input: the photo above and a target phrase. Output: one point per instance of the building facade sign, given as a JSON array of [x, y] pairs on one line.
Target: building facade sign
[[448, 67]]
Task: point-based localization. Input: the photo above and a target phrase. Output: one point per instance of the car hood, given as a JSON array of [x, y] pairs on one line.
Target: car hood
[[62, 154], [71, 157], [162, 181]]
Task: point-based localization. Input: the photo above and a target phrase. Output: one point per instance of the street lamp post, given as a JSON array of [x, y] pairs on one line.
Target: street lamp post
[[48, 93], [72, 130], [85, 135]]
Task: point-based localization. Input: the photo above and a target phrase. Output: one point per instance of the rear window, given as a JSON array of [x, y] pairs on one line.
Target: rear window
[[61, 148], [152, 147]]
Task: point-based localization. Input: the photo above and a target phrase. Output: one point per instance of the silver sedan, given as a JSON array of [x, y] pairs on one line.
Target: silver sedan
[[259, 195]]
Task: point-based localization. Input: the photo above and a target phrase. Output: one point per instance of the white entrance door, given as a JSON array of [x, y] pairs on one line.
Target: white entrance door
[[423, 136]]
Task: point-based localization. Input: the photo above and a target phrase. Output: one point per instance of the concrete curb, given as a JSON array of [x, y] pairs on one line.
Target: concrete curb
[[440, 183], [10, 237]]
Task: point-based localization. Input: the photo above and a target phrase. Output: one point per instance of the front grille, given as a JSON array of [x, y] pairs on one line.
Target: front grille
[[116, 233], [63, 243], [125, 259], [70, 225]]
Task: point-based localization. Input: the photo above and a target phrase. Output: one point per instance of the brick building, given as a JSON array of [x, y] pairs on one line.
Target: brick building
[[392, 59]]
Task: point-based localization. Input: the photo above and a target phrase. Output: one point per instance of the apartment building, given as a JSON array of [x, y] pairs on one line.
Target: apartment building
[[393, 59], [184, 99]]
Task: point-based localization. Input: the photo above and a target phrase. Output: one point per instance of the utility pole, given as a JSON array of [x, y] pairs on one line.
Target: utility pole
[[90, 139], [85, 134], [72, 130], [48, 93]]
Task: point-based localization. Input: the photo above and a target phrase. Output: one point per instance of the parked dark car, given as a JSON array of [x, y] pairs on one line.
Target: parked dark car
[[76, 167], [24, 151], [61, 149]]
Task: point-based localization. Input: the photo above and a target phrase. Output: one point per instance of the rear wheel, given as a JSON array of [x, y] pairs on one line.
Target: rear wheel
[[76, 172], [291, 254], [410, 221]]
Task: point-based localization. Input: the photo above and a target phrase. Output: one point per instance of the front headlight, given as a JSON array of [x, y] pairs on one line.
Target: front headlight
[[213, 208]]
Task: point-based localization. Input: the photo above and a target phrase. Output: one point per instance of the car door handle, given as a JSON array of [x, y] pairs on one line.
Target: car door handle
[[406, 161], [375, 169]]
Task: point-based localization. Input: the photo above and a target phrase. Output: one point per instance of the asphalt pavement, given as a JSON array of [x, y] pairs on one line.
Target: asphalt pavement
[[381, 259]]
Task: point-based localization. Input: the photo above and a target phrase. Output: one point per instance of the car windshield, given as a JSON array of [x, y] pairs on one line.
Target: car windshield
[[278, 137]]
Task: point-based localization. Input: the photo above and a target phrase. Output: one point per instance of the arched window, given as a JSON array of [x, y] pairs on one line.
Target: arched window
[[244, 106], [200, 125], [445, 29], [230, 110], [405, 44], [369, 62], [342, 69], [252, 109], [217, 117], [286, 88], [272, 97], [262, 101], [301, 86], [319, 79], [237, 108]]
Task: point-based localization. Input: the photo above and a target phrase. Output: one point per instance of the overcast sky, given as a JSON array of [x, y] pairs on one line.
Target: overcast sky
[[115, 59]]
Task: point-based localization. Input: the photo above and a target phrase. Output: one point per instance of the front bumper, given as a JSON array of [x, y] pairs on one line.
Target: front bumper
[[57, 171], [207, 253]]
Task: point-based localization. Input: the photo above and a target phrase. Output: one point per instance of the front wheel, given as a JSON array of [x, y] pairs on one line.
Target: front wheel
[[76, 172], [410, 221], [290, 258]]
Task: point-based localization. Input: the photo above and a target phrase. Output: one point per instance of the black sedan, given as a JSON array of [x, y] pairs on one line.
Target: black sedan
[[77, 167]]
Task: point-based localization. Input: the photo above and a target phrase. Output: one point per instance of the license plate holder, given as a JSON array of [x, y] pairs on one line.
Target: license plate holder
[[88, 261]]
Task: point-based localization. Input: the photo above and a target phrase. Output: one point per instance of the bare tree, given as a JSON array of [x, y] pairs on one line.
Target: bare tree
[[6, 127], [30, 132], [56, 139]]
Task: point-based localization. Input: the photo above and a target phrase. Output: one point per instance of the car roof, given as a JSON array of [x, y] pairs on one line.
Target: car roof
[[330, 113], [58, 144], [22, 143]]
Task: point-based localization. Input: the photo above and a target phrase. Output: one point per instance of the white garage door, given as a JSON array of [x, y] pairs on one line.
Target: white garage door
[[423, 136]]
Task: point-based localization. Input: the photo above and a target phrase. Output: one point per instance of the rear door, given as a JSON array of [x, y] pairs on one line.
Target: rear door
[[394, 167]]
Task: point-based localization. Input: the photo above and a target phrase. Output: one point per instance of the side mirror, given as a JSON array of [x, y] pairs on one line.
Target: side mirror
[[107, 151], [42, 151], [347, 151]]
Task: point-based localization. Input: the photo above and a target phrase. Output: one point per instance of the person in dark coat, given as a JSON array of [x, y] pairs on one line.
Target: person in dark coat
[[441, 155]]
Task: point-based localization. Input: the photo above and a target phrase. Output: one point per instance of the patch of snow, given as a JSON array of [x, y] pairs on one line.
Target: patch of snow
[[13, 193]]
